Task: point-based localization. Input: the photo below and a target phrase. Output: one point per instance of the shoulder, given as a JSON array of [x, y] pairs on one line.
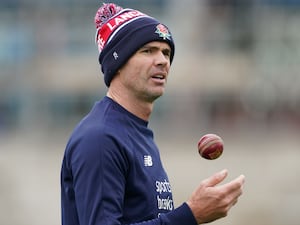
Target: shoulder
[[101, 130]]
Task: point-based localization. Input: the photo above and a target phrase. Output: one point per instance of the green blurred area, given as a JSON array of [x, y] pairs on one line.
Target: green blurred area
[[235, 73]]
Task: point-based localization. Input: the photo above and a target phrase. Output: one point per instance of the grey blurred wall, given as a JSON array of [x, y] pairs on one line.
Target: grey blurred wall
[[235, 73]]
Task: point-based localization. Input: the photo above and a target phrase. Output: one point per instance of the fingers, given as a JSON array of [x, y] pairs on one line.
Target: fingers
[[215, 179], [211, 201], [235, 184], [232, 190]]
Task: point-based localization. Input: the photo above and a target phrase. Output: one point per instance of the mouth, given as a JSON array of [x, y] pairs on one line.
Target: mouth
[[159, 77]]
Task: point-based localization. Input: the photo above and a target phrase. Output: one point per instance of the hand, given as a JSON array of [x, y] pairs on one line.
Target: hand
[[210, 202]]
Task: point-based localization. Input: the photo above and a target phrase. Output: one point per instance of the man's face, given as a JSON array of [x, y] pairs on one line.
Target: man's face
[[145, 74]]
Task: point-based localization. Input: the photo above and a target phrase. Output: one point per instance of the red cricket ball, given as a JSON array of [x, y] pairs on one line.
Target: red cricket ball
[[210, 146]]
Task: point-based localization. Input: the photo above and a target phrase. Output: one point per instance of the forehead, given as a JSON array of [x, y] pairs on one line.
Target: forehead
[[157, 44]]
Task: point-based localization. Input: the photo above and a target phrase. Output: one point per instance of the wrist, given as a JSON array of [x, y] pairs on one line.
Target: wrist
[[195, 212]]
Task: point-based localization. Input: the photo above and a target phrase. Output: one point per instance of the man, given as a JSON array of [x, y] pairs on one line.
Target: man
[[111, 172]]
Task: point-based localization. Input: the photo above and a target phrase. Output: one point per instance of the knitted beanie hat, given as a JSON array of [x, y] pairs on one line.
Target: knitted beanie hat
[[121, 32]]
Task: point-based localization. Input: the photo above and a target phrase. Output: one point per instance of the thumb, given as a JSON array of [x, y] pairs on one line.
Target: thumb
[[215, 179]]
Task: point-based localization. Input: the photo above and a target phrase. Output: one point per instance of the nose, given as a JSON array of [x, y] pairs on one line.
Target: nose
[[162, 59]]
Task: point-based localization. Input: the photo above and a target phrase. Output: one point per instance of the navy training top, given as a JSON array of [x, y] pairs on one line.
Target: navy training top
[[112, 173]]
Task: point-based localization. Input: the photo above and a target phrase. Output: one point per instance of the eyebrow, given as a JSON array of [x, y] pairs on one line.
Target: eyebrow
[[156, 47]]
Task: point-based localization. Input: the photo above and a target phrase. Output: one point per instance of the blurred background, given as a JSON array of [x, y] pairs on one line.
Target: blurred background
[[235, 73]]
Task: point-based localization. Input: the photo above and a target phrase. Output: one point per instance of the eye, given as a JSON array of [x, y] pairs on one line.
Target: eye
[[167, 53], [147, 50]]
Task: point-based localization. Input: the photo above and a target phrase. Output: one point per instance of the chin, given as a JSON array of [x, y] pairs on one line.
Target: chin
[[159, 92], [153, 94], [152, 97]]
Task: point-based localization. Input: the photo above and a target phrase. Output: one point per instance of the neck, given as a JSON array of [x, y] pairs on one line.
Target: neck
[[141, 109]]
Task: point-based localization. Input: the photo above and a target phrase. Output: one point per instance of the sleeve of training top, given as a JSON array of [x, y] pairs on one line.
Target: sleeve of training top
[[99, 170]]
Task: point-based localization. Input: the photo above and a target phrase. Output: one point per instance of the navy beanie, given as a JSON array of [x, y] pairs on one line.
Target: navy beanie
[[121, 32]]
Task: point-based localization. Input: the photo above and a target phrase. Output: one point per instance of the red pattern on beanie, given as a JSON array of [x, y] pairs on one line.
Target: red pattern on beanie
[[105, 12]]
